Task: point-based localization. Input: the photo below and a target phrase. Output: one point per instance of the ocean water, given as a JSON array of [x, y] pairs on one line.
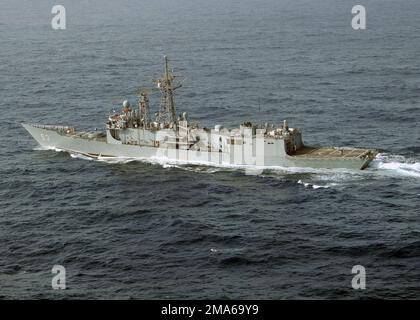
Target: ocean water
[[137, 229]]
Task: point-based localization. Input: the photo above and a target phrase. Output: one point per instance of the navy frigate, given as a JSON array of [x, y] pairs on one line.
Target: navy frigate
[[131, 133]]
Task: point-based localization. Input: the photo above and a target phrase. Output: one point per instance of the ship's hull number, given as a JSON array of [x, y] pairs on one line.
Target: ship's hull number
[[45, 137]]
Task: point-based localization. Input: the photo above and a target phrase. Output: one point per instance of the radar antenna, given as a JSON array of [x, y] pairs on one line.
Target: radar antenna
[[167, 114]]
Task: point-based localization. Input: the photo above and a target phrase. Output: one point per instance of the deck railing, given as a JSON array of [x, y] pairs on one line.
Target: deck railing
[[66, 129]]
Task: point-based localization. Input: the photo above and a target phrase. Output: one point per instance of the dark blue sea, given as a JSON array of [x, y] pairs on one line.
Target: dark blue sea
[[158, 230]]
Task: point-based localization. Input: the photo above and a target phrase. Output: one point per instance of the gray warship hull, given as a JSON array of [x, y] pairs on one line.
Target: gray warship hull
[[96, 145]]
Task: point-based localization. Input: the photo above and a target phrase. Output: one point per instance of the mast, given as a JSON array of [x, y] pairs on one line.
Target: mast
[[169, 94], [167, 114], [144, 109]]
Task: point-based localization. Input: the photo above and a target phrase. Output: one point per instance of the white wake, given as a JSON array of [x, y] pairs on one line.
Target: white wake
[[383, 165], [396, 165]]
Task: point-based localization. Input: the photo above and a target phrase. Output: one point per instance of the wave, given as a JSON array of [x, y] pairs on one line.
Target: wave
[[316, 186], [80, 156], [42, 148], [396, 165]]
